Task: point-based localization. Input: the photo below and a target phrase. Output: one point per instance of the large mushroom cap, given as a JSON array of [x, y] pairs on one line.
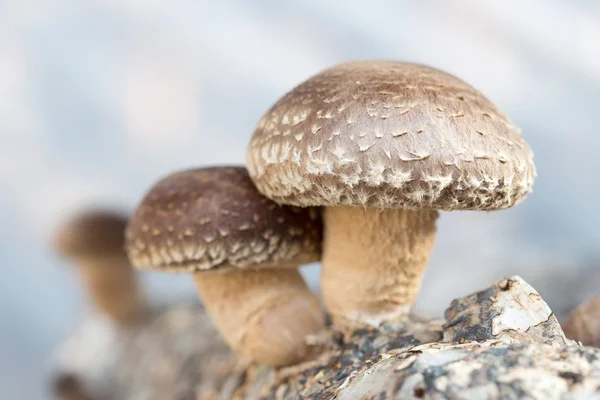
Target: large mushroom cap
[[93, 232], [210, 218], [391, 135]]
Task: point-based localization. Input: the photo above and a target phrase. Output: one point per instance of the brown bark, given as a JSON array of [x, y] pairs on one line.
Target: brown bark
[[503, 342]]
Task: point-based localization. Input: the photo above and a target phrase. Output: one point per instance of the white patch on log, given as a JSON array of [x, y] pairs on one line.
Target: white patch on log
[[522, 307]]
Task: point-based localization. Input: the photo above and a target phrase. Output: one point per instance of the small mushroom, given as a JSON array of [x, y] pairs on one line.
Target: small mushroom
[[68, 387], [94, 240], [243, 250], [383, 146], [583, 324]]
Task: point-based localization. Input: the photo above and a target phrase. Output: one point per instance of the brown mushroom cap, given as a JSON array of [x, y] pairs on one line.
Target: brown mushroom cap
[[211, 218], [94, 232], [583, 324], [390, 135]]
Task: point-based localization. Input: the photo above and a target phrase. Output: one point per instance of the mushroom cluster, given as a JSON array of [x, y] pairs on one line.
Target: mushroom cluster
[[377, 148], [383, 146]]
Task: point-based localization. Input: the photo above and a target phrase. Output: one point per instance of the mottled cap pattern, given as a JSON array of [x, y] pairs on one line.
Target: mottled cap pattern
[[389, 135], [209, 218], [90, 233]]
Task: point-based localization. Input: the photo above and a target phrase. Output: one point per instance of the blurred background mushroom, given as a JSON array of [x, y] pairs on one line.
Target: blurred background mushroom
[[583, 324], [124, 348], [94, 240], [67, 387], [99, 99]]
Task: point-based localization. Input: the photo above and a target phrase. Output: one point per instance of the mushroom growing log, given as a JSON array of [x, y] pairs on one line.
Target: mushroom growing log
[[503, 342], [174, 353]]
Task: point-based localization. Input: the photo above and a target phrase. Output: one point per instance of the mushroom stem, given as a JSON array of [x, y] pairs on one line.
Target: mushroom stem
[[113, 287], [265, 314], [373, 261]]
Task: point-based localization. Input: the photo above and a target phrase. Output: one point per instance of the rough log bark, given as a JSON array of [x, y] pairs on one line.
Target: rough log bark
[[500, 343], [503, 342], [173, 354]]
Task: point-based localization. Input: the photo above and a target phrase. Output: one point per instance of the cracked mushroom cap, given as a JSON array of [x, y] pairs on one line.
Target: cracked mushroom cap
[[94, 232], [390, 135], [209, 218]]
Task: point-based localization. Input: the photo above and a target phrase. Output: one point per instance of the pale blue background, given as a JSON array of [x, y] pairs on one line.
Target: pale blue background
[[99, 98]]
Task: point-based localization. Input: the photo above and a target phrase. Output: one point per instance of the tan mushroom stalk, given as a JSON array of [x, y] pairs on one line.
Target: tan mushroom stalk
[[375, 260], [383, 145], [94, 240], [243, 250]]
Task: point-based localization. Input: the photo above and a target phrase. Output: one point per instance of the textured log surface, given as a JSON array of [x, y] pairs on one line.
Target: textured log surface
[[174, 354], [502, 342]]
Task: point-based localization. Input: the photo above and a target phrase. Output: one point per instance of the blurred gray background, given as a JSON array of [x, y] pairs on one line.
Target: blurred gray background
[[100, 98]]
